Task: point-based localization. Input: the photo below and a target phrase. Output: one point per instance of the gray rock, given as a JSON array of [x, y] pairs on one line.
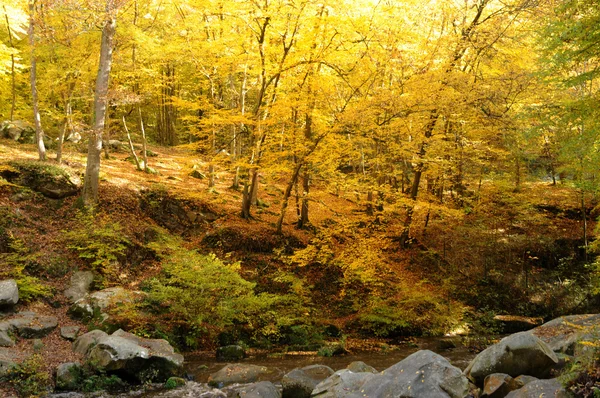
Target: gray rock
[[86, 342], [17, 130], [343, 383], [422, 374], [541, 388], [81, 281], [5, 339], [68, 376], [30, 325], [236, 373], [517, 354], [563, 333], [230, 353], [9, 292], [139, 358], [262, 389], [498, 385], [360, 366], [300, 382], [69, 332]]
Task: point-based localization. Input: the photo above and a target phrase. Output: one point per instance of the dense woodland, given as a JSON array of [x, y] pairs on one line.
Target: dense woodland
[[284, 171]]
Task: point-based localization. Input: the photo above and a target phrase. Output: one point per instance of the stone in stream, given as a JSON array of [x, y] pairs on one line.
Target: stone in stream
[[300, 382], [236, 373], [551, 388], [360, 366], [515, 355], [422, 374], [498, 385], [262, 389], [9, 293]]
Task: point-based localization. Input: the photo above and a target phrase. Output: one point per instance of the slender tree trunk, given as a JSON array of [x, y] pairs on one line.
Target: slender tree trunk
[[92, 172], [12, 68], [585, 226], [131, 148], [144, 141], [286, 196], [39, 133]]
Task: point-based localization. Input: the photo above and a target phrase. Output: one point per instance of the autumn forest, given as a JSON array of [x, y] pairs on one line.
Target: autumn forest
[[300, 175]]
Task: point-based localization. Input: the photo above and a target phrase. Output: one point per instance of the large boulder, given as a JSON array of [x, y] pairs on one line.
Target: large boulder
[[342, 384], [236, 373], [563, 334], [50, 180], [517, 354], [422, 374], [300, 382], [81, 281], [17, 130], [9, 293], [360, 366], [262, 389], [136, 357], [516, 323], [29, 325], [551, 388]]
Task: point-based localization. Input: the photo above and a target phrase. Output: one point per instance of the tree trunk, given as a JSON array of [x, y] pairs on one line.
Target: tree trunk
[[144, 141], [287, 194], [12, 68], [92, 171], [39, 133]]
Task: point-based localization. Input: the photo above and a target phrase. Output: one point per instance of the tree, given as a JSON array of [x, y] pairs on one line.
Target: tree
[[92, 171], [39, 133]]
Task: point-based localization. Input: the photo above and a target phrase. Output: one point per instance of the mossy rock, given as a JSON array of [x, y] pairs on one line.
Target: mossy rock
[[51, 181]]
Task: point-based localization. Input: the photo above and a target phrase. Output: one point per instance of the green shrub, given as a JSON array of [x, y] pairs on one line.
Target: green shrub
[[201, 296], [29, 379], [15, 264], [99, 241]]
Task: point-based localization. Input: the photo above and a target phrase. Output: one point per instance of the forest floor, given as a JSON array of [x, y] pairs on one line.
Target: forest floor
[[518, 230]]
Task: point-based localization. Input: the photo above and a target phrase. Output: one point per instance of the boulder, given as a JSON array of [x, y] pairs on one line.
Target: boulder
[[300, 382], [498, 385], [360, 366], [115, 145], [230, 353], [422, 374], [136, 357], [69, 332], [236, 373], [541, 388], [262, 389], [9, 293], [30, 325], [68, 376], [343, 383], [81, 281], [562, 334], [517, 354], [17, 130], [54, 182], [174, 382], [86, 342]]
